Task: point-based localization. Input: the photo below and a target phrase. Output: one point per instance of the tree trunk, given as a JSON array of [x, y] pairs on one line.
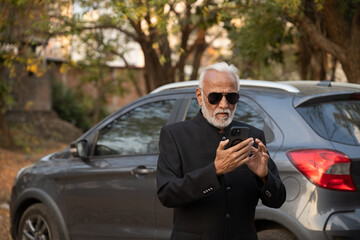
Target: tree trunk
[[318, 64], [199, 51], [343, 26], [352, 66], [304, 56], [156, 74], [6, 137], [341, 21], [99, 86], [312, 59]]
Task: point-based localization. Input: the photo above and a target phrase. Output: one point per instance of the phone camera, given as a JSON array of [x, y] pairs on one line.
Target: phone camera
[[235, 132]]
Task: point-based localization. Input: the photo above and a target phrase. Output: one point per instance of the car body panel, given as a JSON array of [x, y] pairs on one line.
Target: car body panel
[[353, 152], [105, 198], [43, 182]]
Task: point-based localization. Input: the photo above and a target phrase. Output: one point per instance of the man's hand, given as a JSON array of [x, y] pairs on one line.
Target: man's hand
[[258, 162], [229, 159]]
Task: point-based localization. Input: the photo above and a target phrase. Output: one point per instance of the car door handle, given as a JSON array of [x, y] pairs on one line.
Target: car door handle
[[142, 170]]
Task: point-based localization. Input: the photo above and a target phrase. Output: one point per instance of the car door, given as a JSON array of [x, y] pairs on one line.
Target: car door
[[112, 195]]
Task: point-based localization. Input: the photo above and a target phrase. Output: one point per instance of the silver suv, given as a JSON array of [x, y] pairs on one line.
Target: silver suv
[[103, 186]]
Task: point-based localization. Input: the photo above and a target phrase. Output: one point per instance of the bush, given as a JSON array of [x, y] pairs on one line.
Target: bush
[[73, 106]]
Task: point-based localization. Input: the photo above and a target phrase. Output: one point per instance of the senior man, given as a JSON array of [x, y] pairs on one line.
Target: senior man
[[213, 188]]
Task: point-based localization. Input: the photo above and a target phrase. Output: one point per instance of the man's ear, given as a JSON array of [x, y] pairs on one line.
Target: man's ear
[[199, 96]]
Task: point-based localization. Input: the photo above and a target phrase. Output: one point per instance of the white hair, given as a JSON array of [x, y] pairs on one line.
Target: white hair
[[220, 67]]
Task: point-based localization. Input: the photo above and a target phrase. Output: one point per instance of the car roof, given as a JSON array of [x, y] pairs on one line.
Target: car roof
[[243, 83], [304, 92], [324, 91], [315, 87]]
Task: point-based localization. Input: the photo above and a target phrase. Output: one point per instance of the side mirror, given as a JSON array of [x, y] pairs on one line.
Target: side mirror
[[78, 149]]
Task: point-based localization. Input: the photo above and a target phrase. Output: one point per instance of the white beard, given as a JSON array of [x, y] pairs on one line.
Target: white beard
[[223, 122]]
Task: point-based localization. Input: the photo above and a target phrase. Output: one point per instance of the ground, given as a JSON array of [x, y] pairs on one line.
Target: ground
[[36, 136]]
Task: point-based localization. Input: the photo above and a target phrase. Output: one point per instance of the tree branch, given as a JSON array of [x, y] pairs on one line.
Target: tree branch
[[87, 25], [355, 29], [319, 39]]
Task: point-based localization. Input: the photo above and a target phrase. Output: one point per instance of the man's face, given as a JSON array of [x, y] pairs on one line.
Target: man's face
[[220, 115]]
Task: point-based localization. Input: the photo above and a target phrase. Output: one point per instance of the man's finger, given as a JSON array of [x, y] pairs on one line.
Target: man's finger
[[243, 151], [241, 162], [222, 144], [261, 147], [242, 144]]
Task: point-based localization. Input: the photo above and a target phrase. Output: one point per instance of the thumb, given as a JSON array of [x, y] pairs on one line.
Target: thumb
[[222, 144]]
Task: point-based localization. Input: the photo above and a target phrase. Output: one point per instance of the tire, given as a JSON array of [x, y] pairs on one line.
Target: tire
[[37, 222], [276, 234]]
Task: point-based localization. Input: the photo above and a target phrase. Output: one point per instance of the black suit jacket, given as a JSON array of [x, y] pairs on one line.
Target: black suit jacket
[[207, 206]]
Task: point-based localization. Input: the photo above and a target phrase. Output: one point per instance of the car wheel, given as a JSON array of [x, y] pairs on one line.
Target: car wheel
[[276, 234], [37, 222]]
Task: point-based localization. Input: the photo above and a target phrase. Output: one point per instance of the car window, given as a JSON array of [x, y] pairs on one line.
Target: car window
[[136, 132], [336, 121], [244, 113]]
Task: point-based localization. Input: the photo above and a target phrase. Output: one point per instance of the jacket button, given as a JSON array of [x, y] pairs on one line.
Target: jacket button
[[268, 194], [228, 216], [228, 189]]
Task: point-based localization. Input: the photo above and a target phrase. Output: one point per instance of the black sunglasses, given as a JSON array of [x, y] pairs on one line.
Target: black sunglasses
[[215, 98]]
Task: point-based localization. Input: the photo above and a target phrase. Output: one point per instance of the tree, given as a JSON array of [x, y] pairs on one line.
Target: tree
[[313, 60], [170, 33], [258, 35], [97, 72], [22, 28], [6, 101], [340, 37], [324, 32]]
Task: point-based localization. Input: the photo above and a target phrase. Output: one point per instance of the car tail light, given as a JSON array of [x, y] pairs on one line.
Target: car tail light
[[325, 168], [354, 96]]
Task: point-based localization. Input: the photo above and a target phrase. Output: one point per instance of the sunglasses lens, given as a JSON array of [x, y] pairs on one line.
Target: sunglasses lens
[[214, 98], [232, 98]]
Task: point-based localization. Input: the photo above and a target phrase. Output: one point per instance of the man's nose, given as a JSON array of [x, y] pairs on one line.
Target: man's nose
[[223, 103]]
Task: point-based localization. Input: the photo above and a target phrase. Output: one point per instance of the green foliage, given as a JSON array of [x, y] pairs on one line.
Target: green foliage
[[24, 21], [259, 42], [23, 136], [6, 98], [21, 22], [73, 106], [165, 30]]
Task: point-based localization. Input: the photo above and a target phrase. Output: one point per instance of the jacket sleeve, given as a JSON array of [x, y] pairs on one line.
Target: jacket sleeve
[[273, 192], [175, 188]]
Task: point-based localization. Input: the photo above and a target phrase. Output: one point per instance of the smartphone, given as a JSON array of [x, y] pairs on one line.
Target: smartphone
[[238, 134]]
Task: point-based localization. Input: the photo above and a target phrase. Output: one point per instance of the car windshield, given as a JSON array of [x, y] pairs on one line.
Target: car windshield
[[337, 121]]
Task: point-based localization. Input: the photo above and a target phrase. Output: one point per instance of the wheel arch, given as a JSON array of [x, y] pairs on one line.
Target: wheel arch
[[32, 196], [270, 218]]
